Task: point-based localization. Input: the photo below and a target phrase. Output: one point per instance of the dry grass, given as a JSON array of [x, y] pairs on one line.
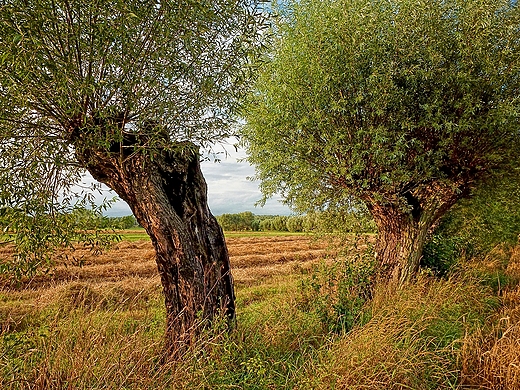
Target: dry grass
[[260, 256], [412, 340], [491, 356], [127, 274], [102, 324]]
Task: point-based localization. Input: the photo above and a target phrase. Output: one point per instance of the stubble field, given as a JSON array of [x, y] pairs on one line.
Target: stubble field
[[253, 258]]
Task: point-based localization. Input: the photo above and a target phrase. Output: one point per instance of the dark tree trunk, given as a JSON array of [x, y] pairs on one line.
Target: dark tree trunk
[[168, 196], [403, 229]]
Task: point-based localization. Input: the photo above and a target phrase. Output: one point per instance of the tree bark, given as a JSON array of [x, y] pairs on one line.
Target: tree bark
[[403, 229], [399, 244], [168, 196]]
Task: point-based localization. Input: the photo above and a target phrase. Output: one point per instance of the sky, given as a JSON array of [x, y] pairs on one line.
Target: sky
[[229, 189]]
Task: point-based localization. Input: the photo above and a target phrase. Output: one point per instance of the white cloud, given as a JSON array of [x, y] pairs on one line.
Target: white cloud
[[231, 191]]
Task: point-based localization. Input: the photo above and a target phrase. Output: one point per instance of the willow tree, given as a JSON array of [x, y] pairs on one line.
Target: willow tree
[[129, 91], [404, 105]]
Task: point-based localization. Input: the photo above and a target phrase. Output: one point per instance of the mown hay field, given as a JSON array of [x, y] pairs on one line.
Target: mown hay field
[[253, 258], [100, 325]]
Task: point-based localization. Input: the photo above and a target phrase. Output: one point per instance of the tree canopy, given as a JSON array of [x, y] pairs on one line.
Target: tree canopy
[[402, 104], [150, 66], [130, 91]]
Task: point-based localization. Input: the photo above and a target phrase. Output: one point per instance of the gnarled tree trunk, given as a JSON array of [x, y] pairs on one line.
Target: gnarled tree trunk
[[168, 196], [403, 229]]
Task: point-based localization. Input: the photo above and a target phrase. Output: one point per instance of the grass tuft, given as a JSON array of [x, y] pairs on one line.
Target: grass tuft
[[412, 340]]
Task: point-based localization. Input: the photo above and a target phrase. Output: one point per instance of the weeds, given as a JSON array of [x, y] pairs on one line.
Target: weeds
[[412, 341]]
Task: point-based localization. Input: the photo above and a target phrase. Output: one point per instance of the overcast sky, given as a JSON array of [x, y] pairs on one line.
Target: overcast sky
[[229, 190]]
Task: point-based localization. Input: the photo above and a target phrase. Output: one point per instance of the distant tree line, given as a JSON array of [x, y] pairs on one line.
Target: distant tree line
[[324, 221], [94, 220], [87, 219]]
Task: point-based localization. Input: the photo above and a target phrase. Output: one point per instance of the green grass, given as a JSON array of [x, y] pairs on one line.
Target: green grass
[[134, 234], [262, 234]]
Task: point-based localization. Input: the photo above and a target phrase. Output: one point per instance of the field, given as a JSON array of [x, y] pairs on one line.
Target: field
[[100, 325]]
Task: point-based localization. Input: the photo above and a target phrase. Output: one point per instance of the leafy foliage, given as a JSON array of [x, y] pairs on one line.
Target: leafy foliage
[[475, 226], [375, 99], [236, 222], [179, 64], [403, 105], [328, 221], [338, 292], [36, 235]]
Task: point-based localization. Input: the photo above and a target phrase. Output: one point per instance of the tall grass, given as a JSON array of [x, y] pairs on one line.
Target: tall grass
[[491, 355], [413, 340]]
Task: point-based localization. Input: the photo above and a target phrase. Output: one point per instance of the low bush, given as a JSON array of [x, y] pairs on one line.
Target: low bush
[[338, 291], [475, 226]]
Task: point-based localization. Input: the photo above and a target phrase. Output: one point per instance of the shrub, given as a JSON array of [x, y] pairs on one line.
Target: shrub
[[476, 225], [338, 292]]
